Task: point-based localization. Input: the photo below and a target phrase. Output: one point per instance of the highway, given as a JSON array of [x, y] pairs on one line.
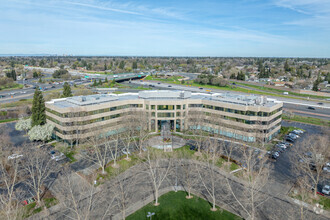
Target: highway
[[297, 106]]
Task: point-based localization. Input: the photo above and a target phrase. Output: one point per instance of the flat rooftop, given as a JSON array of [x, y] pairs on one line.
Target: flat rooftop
[[80, 101]]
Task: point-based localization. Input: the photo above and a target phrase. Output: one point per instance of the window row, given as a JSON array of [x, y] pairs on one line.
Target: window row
[[248, 113], [99, 111]]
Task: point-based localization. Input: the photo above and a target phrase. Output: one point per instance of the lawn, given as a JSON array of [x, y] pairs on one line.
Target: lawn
[[11, 87], [280, 91], [174, 205], [8, 120], [307, 120], [21, 102]]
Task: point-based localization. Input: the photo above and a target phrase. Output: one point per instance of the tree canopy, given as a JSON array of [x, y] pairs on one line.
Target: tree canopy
[[38, 109]]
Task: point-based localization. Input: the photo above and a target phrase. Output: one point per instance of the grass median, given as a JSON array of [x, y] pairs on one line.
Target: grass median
[[307, 120]]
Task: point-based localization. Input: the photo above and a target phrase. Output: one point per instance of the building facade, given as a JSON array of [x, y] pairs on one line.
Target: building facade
[[246, 118]]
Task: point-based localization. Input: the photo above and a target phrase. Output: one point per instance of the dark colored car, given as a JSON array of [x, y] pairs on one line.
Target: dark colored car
[[169, 86], [320, 103], [289, 139], [193, 147], [158, 83], [311, 108], [200, 88], [52, 86]]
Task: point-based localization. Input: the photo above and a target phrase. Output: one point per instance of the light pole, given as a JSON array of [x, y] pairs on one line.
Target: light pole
[[150, 214]]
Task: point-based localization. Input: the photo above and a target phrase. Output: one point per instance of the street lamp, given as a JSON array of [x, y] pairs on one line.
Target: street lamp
[[150, 214]]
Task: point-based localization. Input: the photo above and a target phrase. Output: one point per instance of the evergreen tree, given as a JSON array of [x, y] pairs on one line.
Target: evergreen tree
[[66, 90], [122, 64], [310, 74], [38, 109], [286, 66], [134, 65], [232, 76], [106, 80], [94, 83], [100, 82], [105, 67]]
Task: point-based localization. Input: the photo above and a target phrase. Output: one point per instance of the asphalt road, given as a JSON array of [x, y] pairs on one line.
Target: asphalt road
[[298, 106]]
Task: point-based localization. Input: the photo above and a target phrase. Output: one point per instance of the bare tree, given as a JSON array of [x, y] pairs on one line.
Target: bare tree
[[113, 145], [158, 165], [98, 150], [195, 124], [188, 177], [311, 156], [255, 177], [207, 171], [80, 200], [39, 167], [123, 186], [9, 177], [140, 122]]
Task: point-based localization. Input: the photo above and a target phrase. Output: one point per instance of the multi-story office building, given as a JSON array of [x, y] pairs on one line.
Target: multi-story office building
[[244, 117]]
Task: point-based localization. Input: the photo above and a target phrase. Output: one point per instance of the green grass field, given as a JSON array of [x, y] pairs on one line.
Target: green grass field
[[307, 120], [174, 205], [280, 91], [14, 86]]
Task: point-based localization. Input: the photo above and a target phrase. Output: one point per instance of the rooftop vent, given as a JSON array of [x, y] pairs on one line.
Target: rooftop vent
[[83, 99]]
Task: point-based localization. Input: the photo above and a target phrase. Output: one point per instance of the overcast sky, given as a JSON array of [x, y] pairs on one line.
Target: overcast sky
[[286, 28]]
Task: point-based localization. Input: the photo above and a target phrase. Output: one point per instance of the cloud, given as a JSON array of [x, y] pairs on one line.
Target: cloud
[[103, 8]]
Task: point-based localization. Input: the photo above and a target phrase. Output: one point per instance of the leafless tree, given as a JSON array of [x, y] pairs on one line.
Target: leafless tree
[[195, 124], [113, 144], [123, 186], [39, 167], [189, 177], [158, 165], [80, 200], [140, 122], [98, 150], [255, 177], [207, 170], [310, 157], [9, 177]]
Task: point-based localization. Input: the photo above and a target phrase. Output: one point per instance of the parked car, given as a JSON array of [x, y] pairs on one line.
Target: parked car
[[275, 155], [126, 152], [193, 147], [294, 135], [326, 190], [289, 139], [158, 83], [58, 156], [310, 108], [169, 86], [14, 156], [28, 201]]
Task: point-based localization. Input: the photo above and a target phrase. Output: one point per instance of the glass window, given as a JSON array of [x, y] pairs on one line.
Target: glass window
[[178, 114], [165, 107], [153, 114], [178, 107], [147, 107], [152, 107], [184, 106], [165, 114]]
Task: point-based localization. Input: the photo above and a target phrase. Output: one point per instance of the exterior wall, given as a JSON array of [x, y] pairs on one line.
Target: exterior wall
[[235, 121]]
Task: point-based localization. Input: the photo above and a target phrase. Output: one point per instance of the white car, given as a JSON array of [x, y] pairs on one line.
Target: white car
[[327, 169], [326, 190], [14, 156], [126, 152], [57, 157]]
